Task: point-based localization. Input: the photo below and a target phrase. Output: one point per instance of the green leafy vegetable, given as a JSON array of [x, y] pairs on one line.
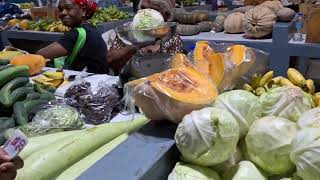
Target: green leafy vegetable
[[147, 18], [207, 137], [306, 153], [269, 144], [286, 102], [245, 170], [184, 171], [243, 105], [310, 119]]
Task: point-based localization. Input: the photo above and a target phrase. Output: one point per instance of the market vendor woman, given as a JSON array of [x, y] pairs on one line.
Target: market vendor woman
[[119, 52], [83, 45]]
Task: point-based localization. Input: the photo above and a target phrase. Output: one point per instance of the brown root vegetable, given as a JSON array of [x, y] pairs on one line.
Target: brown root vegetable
[[188, 30], [243, 9], [258, 22], [205, 26], [285, 14], [200, 16], [219, 23], [233, 23], [273, 5]]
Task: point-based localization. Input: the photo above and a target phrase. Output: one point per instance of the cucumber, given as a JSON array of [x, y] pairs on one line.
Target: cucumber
[[5, 92], [45, 95], [32, 96], [3, 67], [4, 61], [13, 72], [20, 94], [5, 123], [30, 105], [20, 114]]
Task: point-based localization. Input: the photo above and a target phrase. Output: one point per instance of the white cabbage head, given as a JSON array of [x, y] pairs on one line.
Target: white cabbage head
[[245, 170], [269, 143], [244, 106], [286, 102], [207, 137], [183, 171], [306, 153], [310, 119], [147, 18]]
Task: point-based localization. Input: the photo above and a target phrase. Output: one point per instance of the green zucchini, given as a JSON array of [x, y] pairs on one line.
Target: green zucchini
[[4, 61], [13, 72], [32, 96], [20, 94], [20, 114], [5, 92], [3, 67], [30, 105], [5, 123], [44, 94]]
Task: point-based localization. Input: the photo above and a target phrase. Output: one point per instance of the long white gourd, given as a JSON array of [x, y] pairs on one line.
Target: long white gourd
[[77, 169], [51, 161]]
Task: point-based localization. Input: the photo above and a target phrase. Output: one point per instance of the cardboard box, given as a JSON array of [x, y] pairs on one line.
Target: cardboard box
[[313, 25], [305, 8], [44, 12], [253, 2]]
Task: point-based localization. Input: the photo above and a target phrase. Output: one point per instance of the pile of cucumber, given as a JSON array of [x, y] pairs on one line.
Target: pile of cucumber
[[18, 97]]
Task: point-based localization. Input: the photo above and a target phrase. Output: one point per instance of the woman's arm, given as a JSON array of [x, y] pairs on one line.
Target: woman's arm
[[117, 58], [52, 51]]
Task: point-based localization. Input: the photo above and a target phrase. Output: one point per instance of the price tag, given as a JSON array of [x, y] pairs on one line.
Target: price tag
[[15, 144]]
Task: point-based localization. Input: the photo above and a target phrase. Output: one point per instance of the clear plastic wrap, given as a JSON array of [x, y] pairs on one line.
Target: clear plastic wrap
[[190, 83], [51, 118], [95, 107], [170, 95]]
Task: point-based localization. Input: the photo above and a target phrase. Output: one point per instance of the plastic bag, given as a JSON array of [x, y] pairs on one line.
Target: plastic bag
[[51, 118], [228, 65], [95, 107], [170, 95]]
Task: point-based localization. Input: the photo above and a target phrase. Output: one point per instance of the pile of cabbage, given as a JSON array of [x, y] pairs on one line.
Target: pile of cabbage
[[245, 137]]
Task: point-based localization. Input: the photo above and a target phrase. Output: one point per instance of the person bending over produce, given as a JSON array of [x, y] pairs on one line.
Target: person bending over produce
[[8, 167], [83, 45], [120, 52]]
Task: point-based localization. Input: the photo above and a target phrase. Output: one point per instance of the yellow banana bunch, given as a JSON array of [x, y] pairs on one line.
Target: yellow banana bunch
[[54, 79], [260, 84], [296, 77]]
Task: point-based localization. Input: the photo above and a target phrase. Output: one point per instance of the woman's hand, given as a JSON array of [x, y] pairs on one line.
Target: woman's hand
[[150, 49], [117, 58], [8, 167]]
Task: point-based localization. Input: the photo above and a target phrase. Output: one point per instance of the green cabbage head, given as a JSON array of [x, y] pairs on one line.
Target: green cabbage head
[[286, 102], [207, 137], [244, 106], [234, 159], [147, 18], [269, 144], [245, 170], [306, 153], [310, 119], [183, 171]]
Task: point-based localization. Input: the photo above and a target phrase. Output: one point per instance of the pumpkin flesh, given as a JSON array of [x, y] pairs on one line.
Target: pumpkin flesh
[[180, 60], [216, 68], [202, 52]]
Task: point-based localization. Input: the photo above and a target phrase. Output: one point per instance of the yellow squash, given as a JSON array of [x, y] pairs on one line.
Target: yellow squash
[[35, 62]]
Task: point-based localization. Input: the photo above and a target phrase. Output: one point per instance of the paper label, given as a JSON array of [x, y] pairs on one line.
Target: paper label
[[15, 144]]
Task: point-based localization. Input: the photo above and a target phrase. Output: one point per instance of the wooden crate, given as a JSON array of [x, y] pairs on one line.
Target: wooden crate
[[313, 25], [44, 12]]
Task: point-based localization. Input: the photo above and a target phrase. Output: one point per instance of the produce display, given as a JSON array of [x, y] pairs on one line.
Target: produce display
[[108, 14], [189, 2], [18, 96], [47, 25]]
